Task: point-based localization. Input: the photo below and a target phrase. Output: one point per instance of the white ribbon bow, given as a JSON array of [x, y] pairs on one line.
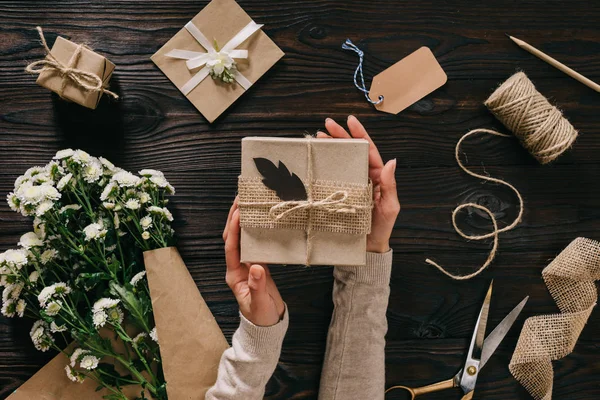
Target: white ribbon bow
[[197, 59]]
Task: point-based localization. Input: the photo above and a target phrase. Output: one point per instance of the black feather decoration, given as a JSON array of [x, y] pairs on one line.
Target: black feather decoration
[[286, 185]]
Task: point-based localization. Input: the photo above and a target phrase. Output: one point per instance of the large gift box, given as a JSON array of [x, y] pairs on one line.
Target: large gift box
[[191, 342], [221, 34], [75, 72], [304, 201]]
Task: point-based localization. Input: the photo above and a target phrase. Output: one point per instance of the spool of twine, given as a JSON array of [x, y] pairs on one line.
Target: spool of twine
[[540, 127]]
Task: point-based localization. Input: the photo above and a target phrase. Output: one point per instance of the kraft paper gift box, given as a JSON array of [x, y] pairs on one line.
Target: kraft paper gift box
[[88, 61], [219, 22], [278, 223], [191, 342]]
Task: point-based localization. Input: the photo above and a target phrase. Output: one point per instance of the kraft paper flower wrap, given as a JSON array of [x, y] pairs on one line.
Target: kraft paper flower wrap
[[221, 42], [304, 201], [73, 71]]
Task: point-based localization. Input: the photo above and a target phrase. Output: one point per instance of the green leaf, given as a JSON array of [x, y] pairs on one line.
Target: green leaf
[[131, 304]]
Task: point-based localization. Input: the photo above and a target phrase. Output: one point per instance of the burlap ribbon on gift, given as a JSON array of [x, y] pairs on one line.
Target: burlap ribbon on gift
[[571, 281], [83, 79], [331, 206]]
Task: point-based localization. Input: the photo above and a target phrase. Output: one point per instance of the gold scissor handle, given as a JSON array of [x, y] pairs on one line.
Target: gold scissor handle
[[434, 387]]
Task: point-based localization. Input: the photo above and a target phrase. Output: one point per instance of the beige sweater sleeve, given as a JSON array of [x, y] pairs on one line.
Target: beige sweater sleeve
[[246, 367], [354, 366]]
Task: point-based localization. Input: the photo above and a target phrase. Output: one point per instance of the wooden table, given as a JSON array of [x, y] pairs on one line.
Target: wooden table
[[430, 317]]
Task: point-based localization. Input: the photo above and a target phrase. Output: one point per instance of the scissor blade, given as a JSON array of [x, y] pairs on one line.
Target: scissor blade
[[479, 335], [493, 340]]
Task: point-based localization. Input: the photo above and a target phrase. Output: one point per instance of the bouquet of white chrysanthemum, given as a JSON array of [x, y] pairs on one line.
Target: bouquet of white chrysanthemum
[[81, 274]]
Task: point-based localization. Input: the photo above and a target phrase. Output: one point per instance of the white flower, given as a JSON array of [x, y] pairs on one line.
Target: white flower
[[145, 235], [39, 228], [53, 169], [81, 157], [146, 222], [137, 277], [108, 205], [219, 61], [75, 356], [99, 319], [47, 256], [75, 207], [132, 204], [161, 211], [16, 258], [110, 248], [63, 154], [53, 308], [104, 303], [115, 315], [46, 293], [154, 335], [72, 375], [139, 338], [21, 306], [33, 277], [108, 191], [144, 197], [61, 288], [33, 171], [57, 328], [92, 171], [40, 336], [29, 240], [150, 172], [89, 362], [64, 181], [9, 308], [13, 201], [170, 189], [125, 179], [43, 208], [116, 221], [37, 330], [159, 181], [94, 231], [107, 164], [12, 291]]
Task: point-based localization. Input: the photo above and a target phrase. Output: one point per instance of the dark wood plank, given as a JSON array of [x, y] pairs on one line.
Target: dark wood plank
[[430, 317]]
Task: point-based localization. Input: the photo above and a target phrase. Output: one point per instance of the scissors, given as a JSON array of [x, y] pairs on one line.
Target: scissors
[[479, 353]]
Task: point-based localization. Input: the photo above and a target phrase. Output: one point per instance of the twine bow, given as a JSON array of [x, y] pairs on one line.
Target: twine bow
[[335, 202], [80, 78], [197, 59]]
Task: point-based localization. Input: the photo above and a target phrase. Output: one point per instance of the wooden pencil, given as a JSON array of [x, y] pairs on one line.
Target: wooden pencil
[[555, 63]]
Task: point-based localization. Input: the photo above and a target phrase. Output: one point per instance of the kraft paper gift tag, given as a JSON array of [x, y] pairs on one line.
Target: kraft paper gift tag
[[88, 61], [219, 21], [407, 81], [191, 342], [344, 161]]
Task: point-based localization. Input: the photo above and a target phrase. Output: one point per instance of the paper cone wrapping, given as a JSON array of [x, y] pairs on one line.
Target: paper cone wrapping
[[220, 20], [343, 160], [191, 342], [89, 61]]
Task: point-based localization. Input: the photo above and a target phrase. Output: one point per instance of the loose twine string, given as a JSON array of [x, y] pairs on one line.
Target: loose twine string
[[348, 45], [336, 202], [570, 279], [83, 79], [540, 128]]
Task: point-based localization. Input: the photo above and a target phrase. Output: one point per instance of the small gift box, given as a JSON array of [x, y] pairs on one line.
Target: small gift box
[[221, 42], [304, 201], [74, 72]]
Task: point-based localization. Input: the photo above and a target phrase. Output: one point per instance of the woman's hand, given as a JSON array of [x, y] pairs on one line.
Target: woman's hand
[[252, 285], [385, 197]]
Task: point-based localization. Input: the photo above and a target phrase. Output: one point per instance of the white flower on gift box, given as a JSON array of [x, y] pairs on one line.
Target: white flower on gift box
[[74, 207], [220, 65], [21, 306], [145, 235], [29, 240], [73, 375], [132, 204], [154, 335], [15, 258], [64, 181], [92, 171], [47, 256], [137, 277], [53, 308], [61, 154], [94, 231], [146, 222], [89, 362], [125, 179], [54, 328]]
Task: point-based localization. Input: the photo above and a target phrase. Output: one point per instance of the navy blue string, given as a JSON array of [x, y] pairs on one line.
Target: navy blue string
[[348, 45]]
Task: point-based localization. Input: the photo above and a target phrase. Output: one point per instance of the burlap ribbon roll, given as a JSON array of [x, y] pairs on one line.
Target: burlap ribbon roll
[[571, 281], [83, 79]]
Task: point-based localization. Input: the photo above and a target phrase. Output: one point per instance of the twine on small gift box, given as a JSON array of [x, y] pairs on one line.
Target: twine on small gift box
[[570, 279], [338, 198], [83, 79]]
